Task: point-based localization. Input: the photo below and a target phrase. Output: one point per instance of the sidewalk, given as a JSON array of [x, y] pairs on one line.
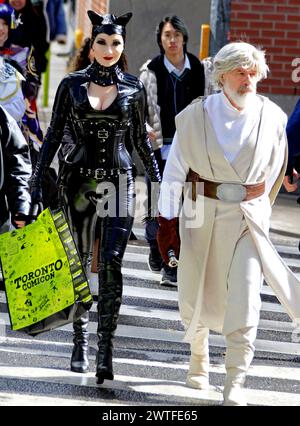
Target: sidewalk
[[58, 69], [285, 219]]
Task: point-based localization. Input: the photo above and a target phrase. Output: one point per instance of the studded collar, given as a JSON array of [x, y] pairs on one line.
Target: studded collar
[[104, 76]]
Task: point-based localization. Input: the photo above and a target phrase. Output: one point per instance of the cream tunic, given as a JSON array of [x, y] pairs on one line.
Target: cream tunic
[[222, 261]]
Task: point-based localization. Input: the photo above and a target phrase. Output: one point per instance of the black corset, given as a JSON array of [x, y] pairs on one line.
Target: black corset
[[103, 141]]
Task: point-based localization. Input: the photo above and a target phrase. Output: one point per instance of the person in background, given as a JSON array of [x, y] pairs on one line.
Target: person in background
[[104, 105], [293, 136], [15, 172], [30, 31], [11, 95], [57, 21], [172, 80], [291, 179], [234, 164], [22, 59]]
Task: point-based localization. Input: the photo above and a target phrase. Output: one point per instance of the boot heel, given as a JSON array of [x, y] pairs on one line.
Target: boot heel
[[104, 375]]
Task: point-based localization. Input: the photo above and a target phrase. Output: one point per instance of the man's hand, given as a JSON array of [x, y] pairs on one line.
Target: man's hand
[[291, 186], [152, 136], [151, 133], [167, 237]]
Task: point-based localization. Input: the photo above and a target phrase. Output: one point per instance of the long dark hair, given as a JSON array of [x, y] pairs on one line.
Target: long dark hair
[[178, 24], [123, 63], [81, 58]]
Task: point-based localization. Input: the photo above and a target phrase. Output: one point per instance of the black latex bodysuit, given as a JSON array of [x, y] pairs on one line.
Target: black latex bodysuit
[[98, 159]]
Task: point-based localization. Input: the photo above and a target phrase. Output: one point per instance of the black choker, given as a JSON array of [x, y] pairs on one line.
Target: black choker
[[104, 76]]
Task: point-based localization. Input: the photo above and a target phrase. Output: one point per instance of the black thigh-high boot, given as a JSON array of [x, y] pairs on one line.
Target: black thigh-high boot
[[110, 296], [79, 359]]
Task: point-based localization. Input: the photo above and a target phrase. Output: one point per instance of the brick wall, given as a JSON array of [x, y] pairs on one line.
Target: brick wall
[[274, 25], [83, 22]]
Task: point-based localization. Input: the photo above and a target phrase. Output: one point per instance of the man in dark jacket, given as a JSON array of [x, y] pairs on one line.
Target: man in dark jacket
[[172, 80], [15, 172]]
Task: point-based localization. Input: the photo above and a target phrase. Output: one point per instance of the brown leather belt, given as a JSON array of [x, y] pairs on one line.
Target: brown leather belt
[[230, 192]]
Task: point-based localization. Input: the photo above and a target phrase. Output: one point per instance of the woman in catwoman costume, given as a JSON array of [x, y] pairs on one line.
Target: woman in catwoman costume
[[105, 107]]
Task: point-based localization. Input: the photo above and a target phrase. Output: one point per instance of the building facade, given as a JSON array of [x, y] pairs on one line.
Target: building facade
[[82, 20], [273, 25]]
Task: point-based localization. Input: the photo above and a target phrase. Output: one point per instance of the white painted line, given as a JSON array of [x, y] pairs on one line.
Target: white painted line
[[14, 399], [282, 249], [174, 336], [163, 388]]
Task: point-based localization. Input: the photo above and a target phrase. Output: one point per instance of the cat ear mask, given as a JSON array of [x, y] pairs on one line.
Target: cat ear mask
[[108, 24]]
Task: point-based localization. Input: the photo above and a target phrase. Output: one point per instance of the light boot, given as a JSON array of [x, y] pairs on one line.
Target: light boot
[[239, 354], [233, 390], [198, 373]]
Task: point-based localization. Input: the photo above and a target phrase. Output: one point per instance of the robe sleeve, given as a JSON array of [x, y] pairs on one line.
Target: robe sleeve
[[174, 177]]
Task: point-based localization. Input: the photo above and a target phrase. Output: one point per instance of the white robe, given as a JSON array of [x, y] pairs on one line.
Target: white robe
[[213, 291]]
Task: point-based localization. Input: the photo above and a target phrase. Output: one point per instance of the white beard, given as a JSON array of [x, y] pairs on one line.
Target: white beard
[[240, 100]]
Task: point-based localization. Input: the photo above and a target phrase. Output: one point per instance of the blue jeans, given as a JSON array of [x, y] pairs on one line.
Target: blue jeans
[[57, 19]]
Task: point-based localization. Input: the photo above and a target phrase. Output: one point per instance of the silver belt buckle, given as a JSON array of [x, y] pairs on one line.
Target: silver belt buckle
[[99, 173], [231, 192], [102, 134]]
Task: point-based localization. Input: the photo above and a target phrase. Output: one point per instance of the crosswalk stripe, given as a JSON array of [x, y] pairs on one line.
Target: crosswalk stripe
[[287, 250], [284, 373], [16, 399], [143, 258], [165, 389], [173, 315], [175, 336]]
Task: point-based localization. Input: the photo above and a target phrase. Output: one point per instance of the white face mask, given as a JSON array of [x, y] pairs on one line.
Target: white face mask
[[240, 99]]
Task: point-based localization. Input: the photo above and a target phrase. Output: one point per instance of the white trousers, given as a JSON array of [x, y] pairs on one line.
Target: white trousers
[[240, 348], [244, 284]]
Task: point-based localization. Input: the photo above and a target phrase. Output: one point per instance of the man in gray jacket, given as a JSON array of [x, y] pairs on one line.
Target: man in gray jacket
[[172, 80]]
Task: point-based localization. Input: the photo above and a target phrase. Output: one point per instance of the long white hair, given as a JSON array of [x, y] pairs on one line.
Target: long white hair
[[236, 55]]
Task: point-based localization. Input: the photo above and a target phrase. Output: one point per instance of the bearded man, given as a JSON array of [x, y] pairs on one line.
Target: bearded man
[[231, 150]]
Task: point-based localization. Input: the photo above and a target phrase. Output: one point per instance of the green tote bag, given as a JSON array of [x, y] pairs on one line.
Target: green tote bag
[[45, 282]]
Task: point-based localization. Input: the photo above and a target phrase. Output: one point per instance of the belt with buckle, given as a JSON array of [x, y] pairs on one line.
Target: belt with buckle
[[229, 192], [102, 173]]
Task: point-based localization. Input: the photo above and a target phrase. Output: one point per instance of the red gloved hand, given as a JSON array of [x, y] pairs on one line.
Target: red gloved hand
[[167, 237]]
